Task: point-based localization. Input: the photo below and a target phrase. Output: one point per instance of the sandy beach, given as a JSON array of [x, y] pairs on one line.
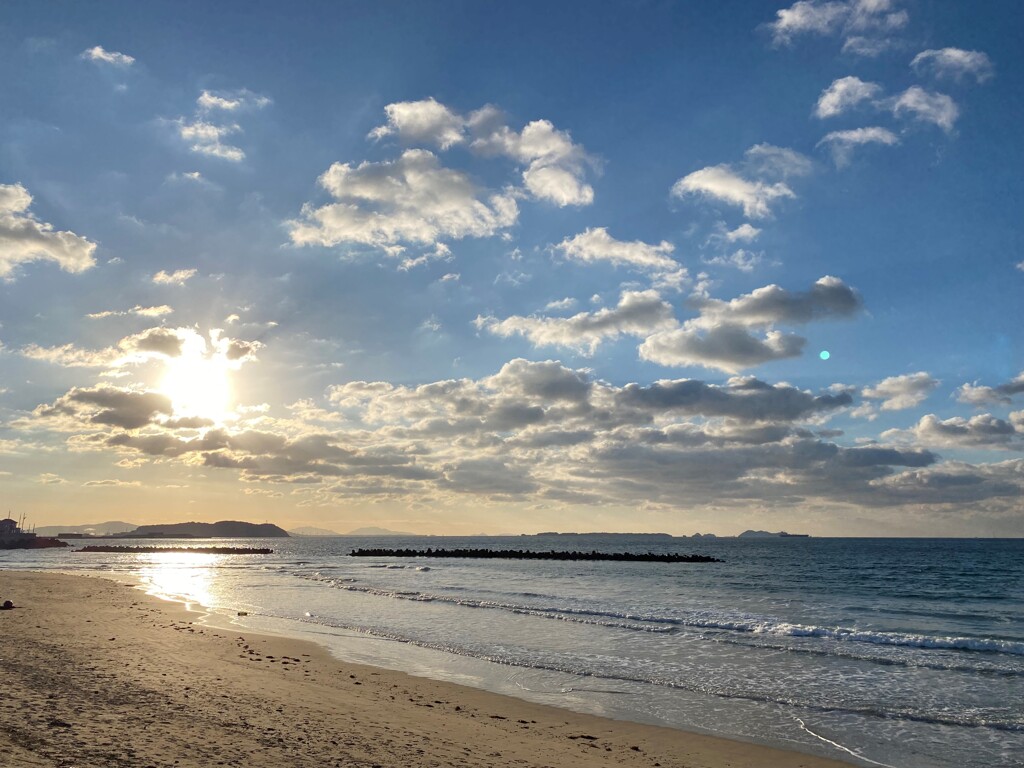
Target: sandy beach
[[96, 673]]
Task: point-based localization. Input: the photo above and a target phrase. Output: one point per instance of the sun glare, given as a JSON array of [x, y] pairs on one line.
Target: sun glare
[[198, 387]]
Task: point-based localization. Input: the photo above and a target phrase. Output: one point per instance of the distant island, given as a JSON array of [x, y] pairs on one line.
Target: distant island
[[601, 533], [373, 531], [224, 529], [770, 535], [308, 530]]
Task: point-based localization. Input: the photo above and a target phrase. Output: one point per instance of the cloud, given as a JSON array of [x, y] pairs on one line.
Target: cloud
[[555, 165], [926, 106], [412, 199], [595, 245], [981, 431], [741, 259], [981, 395], [767, 160], [179, 277], [109, 406], [141, 311], [726, 346], [844, 94], [954, 64], [566, 303], [898, 393], [422, 122], [101, 56], [843, 143], [206, 139], [864, 24], [722, 335], [828, 298], [720, 182], [743, 233], [111, 483], [638, 313], [231, 101], [23, 238]]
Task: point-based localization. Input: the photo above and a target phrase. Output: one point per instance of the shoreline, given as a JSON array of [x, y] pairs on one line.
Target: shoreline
[[88, 661]]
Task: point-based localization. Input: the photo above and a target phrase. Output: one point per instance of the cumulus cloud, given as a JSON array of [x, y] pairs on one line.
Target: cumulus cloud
[[741, 259], [975, 394], [843, 143], [109, 406], [101, 56], [754, 186], [206, 138], [724, 335], [828, 298], [743, 233], [426, 121], [23, 238], [554, 165], [728, 347], [863, 24], [927, 107], [898, 393], [954, 64], [844, 94], [720, 182], [231, 101], [178, 277], [638, 313], [412, 199], [981, 431], [595, 245]]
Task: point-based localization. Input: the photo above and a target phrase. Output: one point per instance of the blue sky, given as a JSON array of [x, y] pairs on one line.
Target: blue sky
[[461, 267]]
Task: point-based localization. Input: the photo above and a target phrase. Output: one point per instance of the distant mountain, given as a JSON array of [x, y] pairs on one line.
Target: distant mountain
[[224, 528], [770, 535], [308, 530], [373, 531], [97, 529]]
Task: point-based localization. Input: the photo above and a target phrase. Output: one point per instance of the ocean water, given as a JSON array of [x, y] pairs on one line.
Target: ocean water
[[895, 652]]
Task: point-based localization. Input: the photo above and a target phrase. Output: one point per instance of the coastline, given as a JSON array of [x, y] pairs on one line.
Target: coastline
[[99, 674]]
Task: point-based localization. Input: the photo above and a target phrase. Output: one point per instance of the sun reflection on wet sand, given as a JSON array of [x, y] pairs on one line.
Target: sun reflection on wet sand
[[180, 576]]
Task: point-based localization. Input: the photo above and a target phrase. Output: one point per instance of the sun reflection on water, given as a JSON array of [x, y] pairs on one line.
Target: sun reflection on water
[[182, 576]]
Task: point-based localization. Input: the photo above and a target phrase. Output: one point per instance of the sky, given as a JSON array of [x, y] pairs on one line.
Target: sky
[[479, 267]]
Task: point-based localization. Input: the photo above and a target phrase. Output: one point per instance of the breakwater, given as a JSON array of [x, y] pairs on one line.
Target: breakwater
[[198, 550], [524, 554]]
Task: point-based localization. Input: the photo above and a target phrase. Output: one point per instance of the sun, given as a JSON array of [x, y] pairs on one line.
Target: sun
[[198, 386]]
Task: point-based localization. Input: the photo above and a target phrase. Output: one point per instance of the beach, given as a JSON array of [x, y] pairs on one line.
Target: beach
[[96, 673]]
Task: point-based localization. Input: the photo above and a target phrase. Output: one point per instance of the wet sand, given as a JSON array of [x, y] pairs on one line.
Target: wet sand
[[94, 673]]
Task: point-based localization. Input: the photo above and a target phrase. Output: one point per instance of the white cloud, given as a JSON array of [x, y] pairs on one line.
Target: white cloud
[[898, 393], [178, 277], [770, 161], [843, 94], [741, 259], [426, 121], [843, 143], [231, 101], [206, 139], [638, 313], [98, 54], [23, 238], [867, 22], [559, 304], [954, 63], [596, 245], [555, 164], [926, 106], [141, 311], [981, 395], [743, 233], [720, 182], [412, 199]]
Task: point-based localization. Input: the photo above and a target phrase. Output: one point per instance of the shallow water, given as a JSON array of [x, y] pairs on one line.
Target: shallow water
[[899, 652]]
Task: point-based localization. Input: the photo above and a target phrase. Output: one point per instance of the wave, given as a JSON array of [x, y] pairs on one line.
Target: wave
[[971, 718], [753, 625]]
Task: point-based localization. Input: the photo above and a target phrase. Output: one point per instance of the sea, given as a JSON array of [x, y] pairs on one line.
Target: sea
[[907, 653]]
